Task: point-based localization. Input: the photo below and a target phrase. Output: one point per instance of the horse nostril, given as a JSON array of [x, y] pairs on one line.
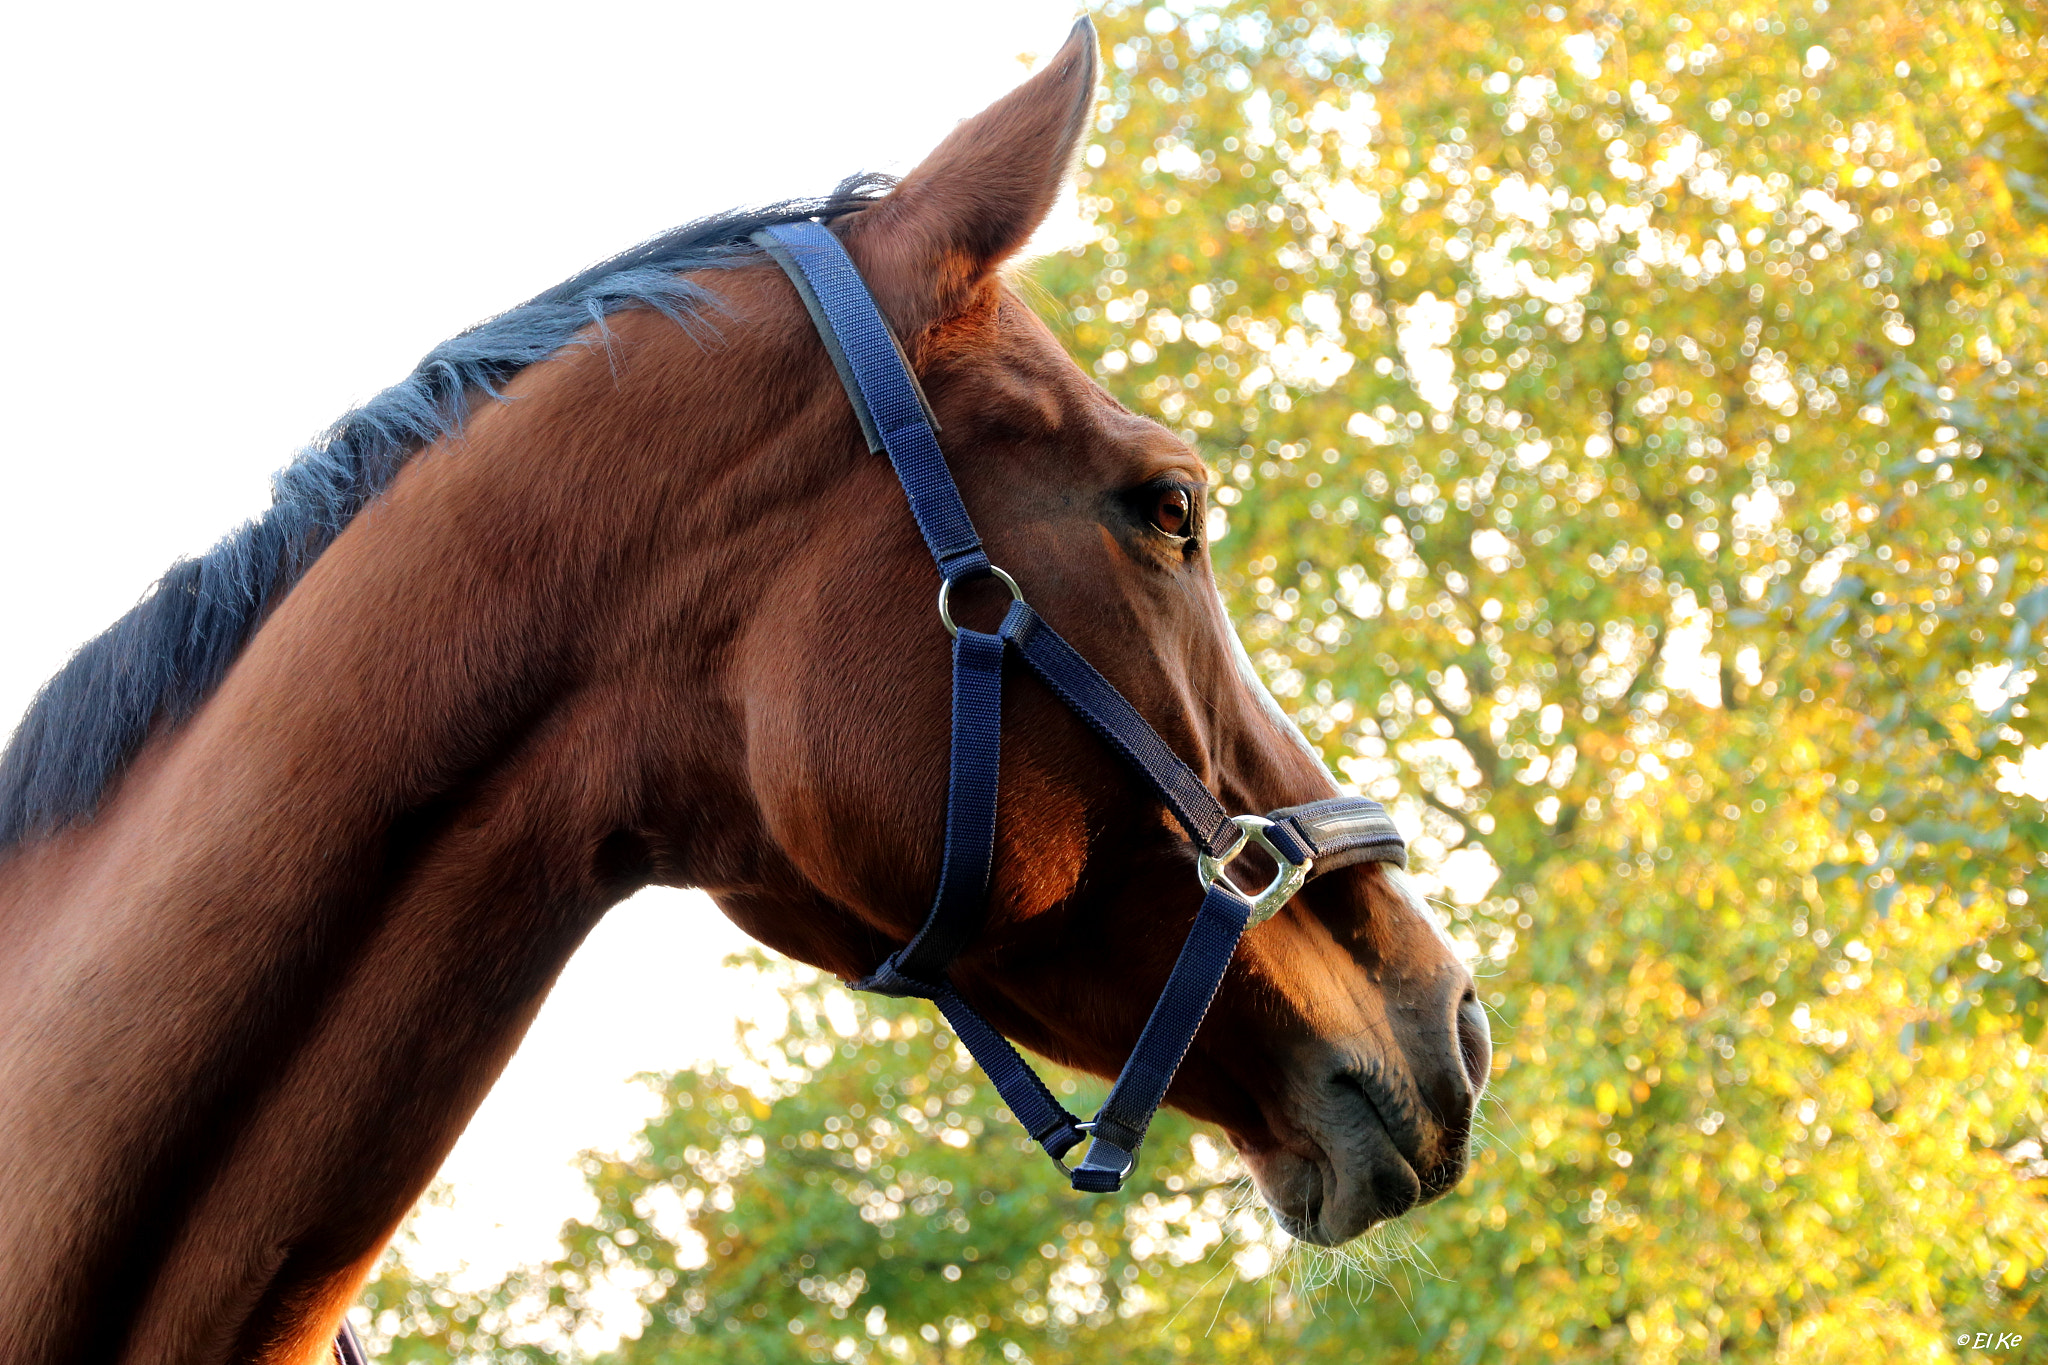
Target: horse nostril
[[1475, 1042]]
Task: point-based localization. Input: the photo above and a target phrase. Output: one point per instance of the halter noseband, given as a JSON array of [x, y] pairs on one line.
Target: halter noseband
[[1304, 840]]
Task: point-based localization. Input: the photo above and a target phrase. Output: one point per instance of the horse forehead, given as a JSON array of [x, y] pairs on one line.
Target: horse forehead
[[1026, 378]]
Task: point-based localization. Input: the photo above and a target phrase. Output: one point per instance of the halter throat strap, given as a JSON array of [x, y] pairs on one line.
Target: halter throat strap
[[1304, 840]]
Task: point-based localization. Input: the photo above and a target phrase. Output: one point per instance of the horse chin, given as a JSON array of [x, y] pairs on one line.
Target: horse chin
[[1337, 1188], [1334, 1167]]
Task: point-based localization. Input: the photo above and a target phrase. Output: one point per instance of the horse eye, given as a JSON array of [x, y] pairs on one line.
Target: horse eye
[[1172, 511]]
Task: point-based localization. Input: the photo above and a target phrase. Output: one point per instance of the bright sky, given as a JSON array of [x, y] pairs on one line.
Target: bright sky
[[229, 223]]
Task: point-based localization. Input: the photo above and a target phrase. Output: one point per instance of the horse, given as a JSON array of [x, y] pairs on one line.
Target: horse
[[610, 592]]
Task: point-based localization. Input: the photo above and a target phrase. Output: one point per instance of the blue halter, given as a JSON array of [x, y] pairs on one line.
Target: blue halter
[[1302, 839]]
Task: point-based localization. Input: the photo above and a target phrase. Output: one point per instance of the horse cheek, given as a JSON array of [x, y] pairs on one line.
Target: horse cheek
[[846, 754]]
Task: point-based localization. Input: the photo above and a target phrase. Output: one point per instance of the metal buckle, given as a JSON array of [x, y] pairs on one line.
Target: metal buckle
[[1285, 883], [946, 592], [1086, 1127]]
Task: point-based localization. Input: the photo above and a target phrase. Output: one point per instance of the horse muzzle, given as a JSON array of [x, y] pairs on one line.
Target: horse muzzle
[[1376, 1125]]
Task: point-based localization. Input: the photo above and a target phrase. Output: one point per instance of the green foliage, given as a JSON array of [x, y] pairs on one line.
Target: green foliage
[[854, 1192], [1631, 466]]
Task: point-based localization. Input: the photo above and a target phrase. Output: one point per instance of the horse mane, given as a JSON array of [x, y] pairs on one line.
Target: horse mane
[[158, 663]]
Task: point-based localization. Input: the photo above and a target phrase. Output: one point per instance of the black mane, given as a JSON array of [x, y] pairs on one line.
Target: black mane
[[156, 664]]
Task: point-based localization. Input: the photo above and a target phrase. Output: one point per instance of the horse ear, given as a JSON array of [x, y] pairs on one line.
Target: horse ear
[[980, 194]]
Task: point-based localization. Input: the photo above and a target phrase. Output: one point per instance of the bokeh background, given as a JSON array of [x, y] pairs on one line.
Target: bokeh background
[[1631, 467]]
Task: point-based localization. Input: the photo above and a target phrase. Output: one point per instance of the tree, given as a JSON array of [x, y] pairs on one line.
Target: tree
[[853, 1192], [1623, 421], [1630, 467]]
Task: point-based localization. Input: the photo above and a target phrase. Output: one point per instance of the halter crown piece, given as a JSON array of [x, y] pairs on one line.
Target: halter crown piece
[[1304, 840]]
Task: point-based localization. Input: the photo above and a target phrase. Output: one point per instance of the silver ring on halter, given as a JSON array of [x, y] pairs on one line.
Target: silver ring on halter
[[946, 592], [1287, 881]]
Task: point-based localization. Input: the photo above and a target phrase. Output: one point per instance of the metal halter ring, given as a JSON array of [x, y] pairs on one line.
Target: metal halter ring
[[1289, 879], [946, 591], [1087, 1127]]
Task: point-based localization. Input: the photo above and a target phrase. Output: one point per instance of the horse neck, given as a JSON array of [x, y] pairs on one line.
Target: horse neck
[[253, 1002]]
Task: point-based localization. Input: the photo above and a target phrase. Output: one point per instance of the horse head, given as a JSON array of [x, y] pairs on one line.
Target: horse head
[[1346, 1049]]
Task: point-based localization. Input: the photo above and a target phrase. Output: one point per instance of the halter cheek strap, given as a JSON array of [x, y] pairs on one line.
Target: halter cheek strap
[[1303, 839]]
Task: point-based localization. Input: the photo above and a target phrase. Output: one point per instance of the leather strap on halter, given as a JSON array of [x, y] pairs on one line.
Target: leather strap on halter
[[1337, 833], [1307, 839]]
